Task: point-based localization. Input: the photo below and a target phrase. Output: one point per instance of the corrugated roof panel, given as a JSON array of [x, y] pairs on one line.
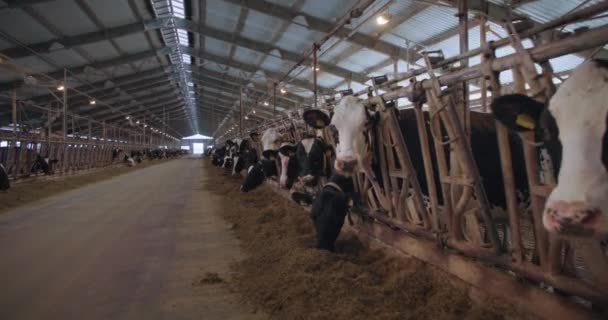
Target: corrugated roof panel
[[247, 56], [67, 17], [102, 50], [428, 23], [217, 47], [133, 43], [113, 13], [546, 10], [297, 38], [275, 64], [66, 58], [30, 31], [328, 80], [327, 10], [35, 64], [285, 3], [334, 51], [398, 9], [222, 15], [362, 60], [260, 27]]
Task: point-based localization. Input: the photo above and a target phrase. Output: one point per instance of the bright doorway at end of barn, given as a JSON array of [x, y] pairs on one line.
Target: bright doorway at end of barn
[[198, 148]]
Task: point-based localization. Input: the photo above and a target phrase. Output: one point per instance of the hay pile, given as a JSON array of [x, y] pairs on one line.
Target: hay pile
[[289, 279]]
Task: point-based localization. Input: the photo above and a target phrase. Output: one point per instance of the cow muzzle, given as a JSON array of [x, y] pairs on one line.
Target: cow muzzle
[[577, 219], [346, 166], [309, 180]]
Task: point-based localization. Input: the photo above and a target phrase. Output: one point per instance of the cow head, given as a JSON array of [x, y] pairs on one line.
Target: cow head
[[271, 140], [310, 154], [574, 129], [287, 153], [351, 120]]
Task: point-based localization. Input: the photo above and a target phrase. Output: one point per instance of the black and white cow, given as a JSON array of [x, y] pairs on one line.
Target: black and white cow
[[116, 152], [329, 209], [266, 167], [574, 128], [128, 161], [245, 156], [43, 164], [4, 183]]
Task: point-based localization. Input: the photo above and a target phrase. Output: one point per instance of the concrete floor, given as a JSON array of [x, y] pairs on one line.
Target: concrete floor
[[131, 247]]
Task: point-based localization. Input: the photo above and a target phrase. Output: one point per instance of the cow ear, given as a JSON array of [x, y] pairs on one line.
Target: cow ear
[[316, 118], [517, 111]]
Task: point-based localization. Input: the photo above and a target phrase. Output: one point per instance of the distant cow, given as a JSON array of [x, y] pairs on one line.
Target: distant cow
[[129, 161], [4, 183], [266, 166], [574, 128], [43, 164]]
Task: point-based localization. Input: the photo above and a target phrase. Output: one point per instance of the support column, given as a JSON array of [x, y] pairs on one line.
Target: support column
[[65, 103]]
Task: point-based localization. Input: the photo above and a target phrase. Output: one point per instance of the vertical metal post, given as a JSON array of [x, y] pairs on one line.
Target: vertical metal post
[[14, 104], [463, 19], [483, 42], [396, 66], [90, 130], [65, 103], [144, 132], [241, 111], [314, 71], [274, 100]]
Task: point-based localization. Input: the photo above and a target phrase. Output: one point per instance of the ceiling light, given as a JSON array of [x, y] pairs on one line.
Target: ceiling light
[[253, 111], [383, 18], [266, 103], [60, 88], [283, 91], [127, 117], [92, 102], [316, 69], [246, 118], [137, 122]]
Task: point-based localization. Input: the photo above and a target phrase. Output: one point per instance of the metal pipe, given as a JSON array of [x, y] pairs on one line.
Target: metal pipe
[[274, 100], [241, 112], [14, 107], [581, 41], [65, 103], [314, 72], [573, 17]]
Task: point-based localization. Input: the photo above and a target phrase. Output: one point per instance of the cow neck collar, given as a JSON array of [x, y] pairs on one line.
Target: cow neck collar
[[335, 186]]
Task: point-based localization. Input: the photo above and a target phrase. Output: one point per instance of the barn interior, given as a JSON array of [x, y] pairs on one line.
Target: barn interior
[[127, 129]]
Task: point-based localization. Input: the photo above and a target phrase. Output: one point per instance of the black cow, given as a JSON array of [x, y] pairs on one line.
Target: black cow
[[485, 152], [330, 208], [4, 183]]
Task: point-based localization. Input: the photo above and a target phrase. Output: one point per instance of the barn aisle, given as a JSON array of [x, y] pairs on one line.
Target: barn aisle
[[132, 247]]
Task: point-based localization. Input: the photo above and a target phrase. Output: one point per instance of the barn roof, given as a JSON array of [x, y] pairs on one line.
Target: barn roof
[[183, 64]]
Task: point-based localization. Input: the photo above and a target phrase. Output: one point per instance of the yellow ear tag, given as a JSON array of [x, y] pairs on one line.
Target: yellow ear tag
[[525, 121]]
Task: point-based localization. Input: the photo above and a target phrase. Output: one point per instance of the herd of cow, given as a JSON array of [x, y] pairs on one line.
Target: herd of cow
[[46, 165], [572, 130]]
